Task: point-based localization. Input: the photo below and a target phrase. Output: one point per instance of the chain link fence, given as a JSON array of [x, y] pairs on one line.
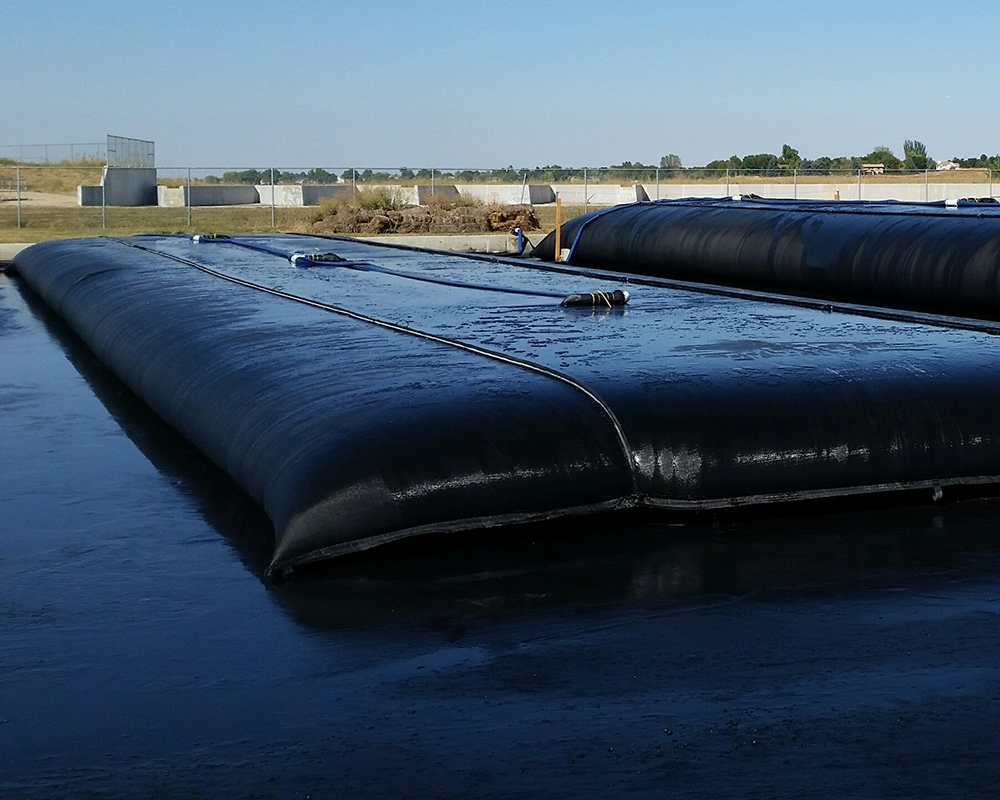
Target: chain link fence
[[134, 153], [53, 153], [39, 200]]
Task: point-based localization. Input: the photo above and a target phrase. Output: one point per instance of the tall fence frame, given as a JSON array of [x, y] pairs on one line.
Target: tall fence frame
[[132, 153]]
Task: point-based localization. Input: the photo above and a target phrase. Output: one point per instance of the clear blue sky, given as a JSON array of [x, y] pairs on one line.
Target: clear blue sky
[[302, 83]]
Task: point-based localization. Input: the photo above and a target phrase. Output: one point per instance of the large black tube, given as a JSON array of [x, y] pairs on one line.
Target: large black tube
[[476, 410], [348, 433], [934, 256]]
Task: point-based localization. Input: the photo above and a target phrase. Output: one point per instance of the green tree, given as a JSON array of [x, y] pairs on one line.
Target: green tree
[[731, 163], [762, 164], [884, 156], [819, 166], [318, 175], [250, 176], [790, 158], [915, 155]]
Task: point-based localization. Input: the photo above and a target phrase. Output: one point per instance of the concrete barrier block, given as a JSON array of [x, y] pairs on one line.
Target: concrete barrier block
[[169, 197], [280, 194], [632, 194], [128, 186], [446, 190], [89, 195], [510, 194], [312, 194], [121, 186], [597, 194], [222, 195]]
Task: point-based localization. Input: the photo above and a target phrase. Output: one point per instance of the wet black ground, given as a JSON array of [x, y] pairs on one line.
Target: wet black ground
[[833, 654]]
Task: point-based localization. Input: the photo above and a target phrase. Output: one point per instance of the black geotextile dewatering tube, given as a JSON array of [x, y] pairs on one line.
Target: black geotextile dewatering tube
[[349, 431], [931, 256]]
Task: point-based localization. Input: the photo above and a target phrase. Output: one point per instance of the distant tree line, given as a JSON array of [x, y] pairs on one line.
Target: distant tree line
[[915, 159], [982, 162]]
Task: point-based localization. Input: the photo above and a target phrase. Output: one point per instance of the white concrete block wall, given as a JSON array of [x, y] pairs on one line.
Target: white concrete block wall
[[407, 195], [674, 191], [280, 194], [512, 194], [598, 194]]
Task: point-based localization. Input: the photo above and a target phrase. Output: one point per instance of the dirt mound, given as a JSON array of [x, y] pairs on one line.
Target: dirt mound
[[426, 219]]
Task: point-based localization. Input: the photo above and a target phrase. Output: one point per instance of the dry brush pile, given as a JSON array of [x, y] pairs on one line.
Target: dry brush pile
[[380, 211]]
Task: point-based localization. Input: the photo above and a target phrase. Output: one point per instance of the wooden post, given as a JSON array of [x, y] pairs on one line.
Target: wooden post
[[558, 228]]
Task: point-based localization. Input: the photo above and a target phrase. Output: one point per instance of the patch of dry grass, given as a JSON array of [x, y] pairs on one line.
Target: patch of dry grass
[[547, 215], [445, 202], [41, 223], [62, 178], [378, 198]]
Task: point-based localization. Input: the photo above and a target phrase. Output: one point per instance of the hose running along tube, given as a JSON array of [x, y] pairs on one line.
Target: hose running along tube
[[311, 260], [942, 256]]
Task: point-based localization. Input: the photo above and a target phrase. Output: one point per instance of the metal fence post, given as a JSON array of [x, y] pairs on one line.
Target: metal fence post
[[354, 182], [727, 182], [927, 189], [104, 193], [432, 180], [657, 183], [272, 197], [859, 184], [18, 197], [585, 205], [991, 182], [188, 198], [795, 184]]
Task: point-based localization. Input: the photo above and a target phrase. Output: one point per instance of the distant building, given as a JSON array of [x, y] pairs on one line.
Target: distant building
[[872, 169], [948, 165]]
